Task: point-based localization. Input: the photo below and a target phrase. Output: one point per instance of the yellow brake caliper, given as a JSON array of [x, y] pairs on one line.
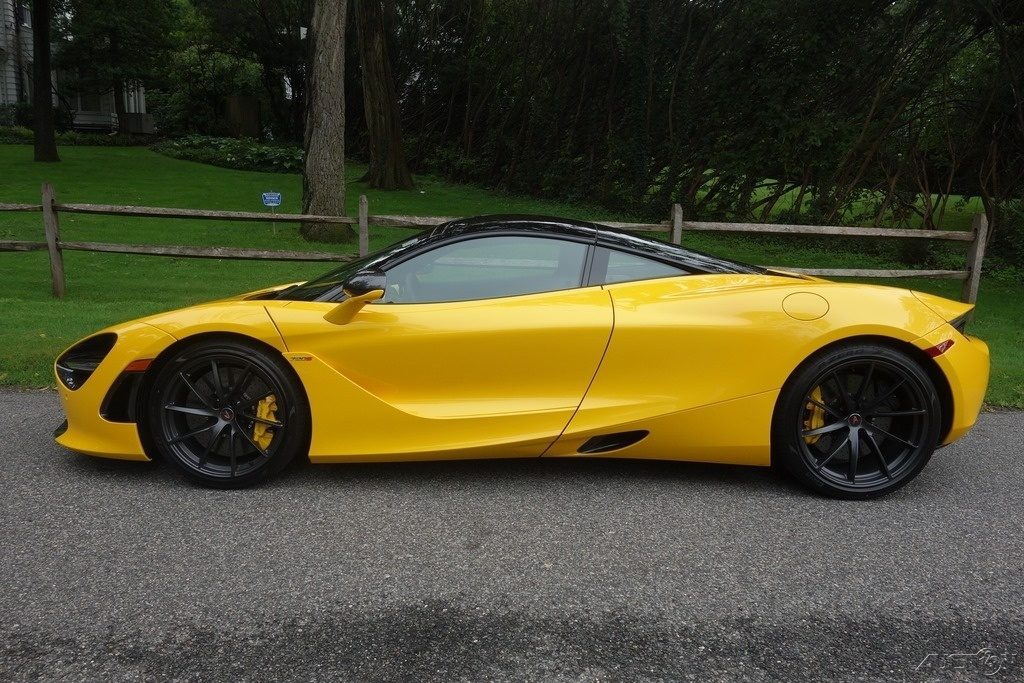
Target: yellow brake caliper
[[815, 416], [265, 410]]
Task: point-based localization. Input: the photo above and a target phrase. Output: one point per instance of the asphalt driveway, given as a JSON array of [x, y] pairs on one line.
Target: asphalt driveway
[[512, 570]]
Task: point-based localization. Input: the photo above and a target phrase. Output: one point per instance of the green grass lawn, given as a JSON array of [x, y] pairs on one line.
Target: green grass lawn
[[107, 288]]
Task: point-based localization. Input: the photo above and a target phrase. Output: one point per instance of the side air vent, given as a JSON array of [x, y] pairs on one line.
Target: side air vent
[[612, 442], [77, 364]]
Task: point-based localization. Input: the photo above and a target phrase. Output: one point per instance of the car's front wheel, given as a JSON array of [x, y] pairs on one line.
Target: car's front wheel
[[857, 421], [227, 413]]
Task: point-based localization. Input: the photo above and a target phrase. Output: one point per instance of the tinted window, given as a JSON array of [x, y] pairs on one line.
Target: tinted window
[[329, 282], [623, 267], [487, 268]]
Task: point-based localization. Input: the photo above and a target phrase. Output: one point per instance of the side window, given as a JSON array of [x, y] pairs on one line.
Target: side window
[[487, 268], [623, 267]]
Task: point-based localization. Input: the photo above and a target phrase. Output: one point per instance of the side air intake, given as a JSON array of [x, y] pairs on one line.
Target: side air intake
[[612, 442]]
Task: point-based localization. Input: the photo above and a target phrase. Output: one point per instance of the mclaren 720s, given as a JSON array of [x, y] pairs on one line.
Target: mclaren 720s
[[516, 336]]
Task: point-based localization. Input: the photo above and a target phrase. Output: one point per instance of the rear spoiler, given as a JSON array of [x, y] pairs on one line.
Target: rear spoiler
[[947, 309], [956, 313]]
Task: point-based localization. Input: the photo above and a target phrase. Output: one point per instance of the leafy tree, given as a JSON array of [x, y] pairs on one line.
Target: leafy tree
[[866, 110], [875, 111], [198, 79], [272, 34], [111, 43]]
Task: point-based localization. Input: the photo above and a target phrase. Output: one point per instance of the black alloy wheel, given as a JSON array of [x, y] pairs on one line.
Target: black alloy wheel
[[857, 422], [227, 414]]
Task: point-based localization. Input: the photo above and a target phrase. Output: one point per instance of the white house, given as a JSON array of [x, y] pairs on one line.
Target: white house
[[91, 110], [15, 51]]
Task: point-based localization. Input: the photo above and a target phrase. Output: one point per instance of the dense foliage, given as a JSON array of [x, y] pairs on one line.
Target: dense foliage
[[20, 135], [851, 110], [271, 34], [866, 111], [107, 45], [244, 154]]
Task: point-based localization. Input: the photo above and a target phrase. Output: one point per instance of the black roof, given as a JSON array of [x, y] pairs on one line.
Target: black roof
[[570, 228], [329, 284], [564, 227]]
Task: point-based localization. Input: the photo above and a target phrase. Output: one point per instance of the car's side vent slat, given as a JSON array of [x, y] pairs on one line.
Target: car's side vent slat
[[612, 442]]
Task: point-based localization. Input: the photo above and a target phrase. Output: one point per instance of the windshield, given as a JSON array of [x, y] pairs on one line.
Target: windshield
[[320, 287]]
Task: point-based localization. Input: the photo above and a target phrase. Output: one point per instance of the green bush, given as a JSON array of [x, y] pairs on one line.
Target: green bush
[[243, 154], [78, 138], [15, 135], [20, 135], [200, 79], [1004, 259]]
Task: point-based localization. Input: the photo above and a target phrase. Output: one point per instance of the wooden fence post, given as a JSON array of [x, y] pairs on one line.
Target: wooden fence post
[[979, 225], [364, 226], [51, 226], [677, 224]]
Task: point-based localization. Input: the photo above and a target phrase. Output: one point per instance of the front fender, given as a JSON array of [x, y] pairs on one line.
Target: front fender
[[246, 318]]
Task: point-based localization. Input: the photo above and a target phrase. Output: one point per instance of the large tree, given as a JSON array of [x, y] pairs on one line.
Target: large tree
[[200, 79], [270, 32], [43, 124], [323, 177], [388, 167], [113, 43]]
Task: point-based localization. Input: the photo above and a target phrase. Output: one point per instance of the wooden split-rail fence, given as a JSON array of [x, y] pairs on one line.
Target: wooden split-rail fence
[[51, 209]]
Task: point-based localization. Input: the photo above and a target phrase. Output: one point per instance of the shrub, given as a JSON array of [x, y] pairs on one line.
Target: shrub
[[15, 135], [244, 154], [20, 135], [78, 138], [193, 97]]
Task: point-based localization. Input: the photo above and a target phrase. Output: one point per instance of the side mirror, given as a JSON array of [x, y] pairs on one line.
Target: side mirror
[[364, 282], [362, 288]]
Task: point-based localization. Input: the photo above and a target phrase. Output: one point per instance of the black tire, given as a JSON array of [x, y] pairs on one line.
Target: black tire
[[226, 413], [876, 399]]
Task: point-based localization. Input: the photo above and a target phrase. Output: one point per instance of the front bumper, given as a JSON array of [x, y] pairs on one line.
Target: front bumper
[[86, 430]]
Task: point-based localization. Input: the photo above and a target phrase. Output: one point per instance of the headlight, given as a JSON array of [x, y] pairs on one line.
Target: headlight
[[76, 364]]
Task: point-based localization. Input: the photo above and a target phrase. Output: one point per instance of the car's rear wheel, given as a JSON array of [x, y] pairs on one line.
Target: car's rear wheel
[[227, 414], [857, 421]]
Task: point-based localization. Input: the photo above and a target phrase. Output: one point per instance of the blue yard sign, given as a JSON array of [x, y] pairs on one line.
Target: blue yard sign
[[272, 200]]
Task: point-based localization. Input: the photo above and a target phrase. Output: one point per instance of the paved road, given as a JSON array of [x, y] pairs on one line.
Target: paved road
[[538, 570]]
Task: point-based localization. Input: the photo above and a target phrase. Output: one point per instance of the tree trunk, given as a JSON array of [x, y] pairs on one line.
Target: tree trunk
[[42, 99], [388, 167], [323, 178], [119, 108]]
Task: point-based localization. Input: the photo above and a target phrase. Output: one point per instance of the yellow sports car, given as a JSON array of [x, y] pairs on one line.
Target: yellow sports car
[[514, 336]]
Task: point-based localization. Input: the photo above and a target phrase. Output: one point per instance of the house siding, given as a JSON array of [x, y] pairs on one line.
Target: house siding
[[12, 41]]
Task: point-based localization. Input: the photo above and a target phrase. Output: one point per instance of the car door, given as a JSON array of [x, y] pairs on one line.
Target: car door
[[717, 349], [480, 347]]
